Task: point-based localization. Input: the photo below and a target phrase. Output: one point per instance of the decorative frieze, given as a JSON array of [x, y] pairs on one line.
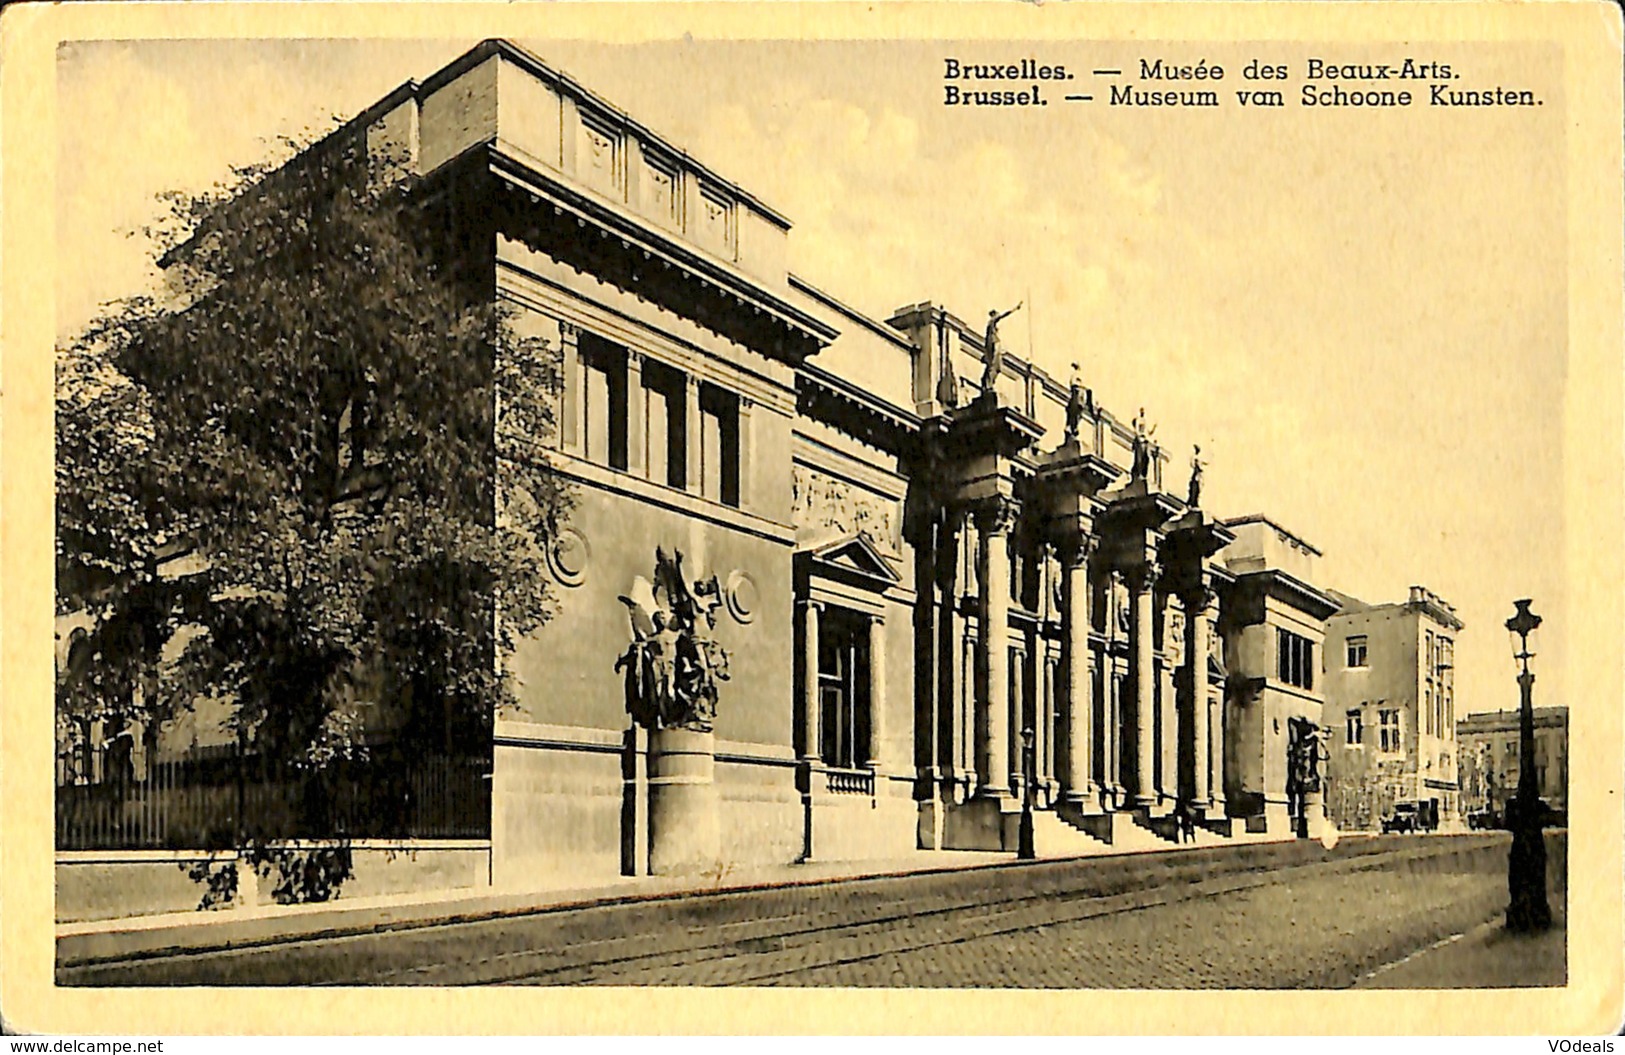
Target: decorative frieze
[[824, 507]]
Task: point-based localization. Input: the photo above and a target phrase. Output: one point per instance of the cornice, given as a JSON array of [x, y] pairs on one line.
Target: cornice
[[637, 236]]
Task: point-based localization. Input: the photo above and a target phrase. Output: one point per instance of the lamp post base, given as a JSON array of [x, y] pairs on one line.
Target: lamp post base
[[1527, 910], [1026, 850]]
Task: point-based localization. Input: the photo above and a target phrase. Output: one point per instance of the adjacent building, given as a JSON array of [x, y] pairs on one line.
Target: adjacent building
[[1390, 703], [1488, 746]]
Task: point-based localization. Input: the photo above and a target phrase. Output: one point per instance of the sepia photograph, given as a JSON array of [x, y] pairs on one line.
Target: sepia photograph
[[889, 506]]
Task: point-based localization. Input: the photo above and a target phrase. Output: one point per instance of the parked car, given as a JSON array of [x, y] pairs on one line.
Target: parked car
[[1484, 819], [1402, 821]]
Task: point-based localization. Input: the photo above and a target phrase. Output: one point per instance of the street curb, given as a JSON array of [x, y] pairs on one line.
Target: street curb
[[1160, 869]]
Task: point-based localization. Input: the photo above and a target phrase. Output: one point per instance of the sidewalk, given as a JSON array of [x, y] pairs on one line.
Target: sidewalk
[[1487, 957], [139, 936]]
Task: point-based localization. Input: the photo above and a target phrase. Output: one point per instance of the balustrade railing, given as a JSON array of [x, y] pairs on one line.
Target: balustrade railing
[[850, 781]]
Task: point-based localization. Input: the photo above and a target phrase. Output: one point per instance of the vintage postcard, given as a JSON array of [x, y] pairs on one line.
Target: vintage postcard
[[822, 518]]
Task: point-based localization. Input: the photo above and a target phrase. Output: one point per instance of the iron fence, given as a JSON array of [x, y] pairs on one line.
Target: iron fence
[[219, 800]]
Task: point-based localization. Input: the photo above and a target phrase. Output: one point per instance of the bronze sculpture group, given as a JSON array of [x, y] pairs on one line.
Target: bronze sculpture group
[[674, 663]]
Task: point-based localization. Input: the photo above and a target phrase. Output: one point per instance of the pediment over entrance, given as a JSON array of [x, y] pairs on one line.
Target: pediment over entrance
[[853, 557]]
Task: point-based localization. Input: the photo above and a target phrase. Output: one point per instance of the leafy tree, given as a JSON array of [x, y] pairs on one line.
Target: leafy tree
[[333, 421]]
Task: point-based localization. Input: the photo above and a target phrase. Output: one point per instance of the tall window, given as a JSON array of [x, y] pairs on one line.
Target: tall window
[[843, 688], [719, 445], [1356, 728], [1388, 731], [664, 426], [1427, 709], [1356, 656], [603, 374], [1295, 658]]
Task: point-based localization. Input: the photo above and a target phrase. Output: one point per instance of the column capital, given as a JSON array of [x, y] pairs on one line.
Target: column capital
[[1200, 597], [745, 402], [1075, 549], [997, 515], [809, 604], [634, 358], [1143, 576], [568, 330]]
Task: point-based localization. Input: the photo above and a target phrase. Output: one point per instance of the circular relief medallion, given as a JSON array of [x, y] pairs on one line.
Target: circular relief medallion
[[742, 596], [567, 557]]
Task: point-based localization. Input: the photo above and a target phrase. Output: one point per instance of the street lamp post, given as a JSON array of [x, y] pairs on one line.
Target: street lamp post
[[1526, 813], [1025, 850]]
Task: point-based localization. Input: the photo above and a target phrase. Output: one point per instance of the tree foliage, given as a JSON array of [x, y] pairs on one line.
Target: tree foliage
[[321, 452]]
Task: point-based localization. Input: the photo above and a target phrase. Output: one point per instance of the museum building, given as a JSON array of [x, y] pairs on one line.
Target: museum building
[[938, 602], [947, 584]]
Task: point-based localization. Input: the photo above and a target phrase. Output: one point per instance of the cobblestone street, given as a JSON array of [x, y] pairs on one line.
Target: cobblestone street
[[1192, 921]]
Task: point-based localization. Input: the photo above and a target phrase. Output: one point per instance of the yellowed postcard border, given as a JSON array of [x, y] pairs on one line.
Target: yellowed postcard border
[[1589, 34]]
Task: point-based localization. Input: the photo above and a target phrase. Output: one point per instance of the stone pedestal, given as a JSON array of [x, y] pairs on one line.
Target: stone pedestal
[[684, 832]]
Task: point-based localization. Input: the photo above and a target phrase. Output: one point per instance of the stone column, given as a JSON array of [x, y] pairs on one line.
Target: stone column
[[994, 520], [877, 693], [1080, 701], [1167, 708], [1049, 720], [809, 691], [949, 650], [746, 451], [1142, 579], [1196, 650], [1043, 702], [1112, 745], [637, 406], [691, 434], [1111, 706], [573, 406]]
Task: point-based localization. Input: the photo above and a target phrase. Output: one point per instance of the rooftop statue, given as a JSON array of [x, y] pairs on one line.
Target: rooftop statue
[[1142, 447], [1193, 497], [948, 383], [992, 350], [1076, 405], [673, 664]]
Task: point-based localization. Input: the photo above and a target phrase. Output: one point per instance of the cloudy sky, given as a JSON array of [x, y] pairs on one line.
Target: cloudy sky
[[1359, 314]]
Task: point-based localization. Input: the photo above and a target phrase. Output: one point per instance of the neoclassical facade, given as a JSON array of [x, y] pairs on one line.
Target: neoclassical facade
[[941, 599]]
